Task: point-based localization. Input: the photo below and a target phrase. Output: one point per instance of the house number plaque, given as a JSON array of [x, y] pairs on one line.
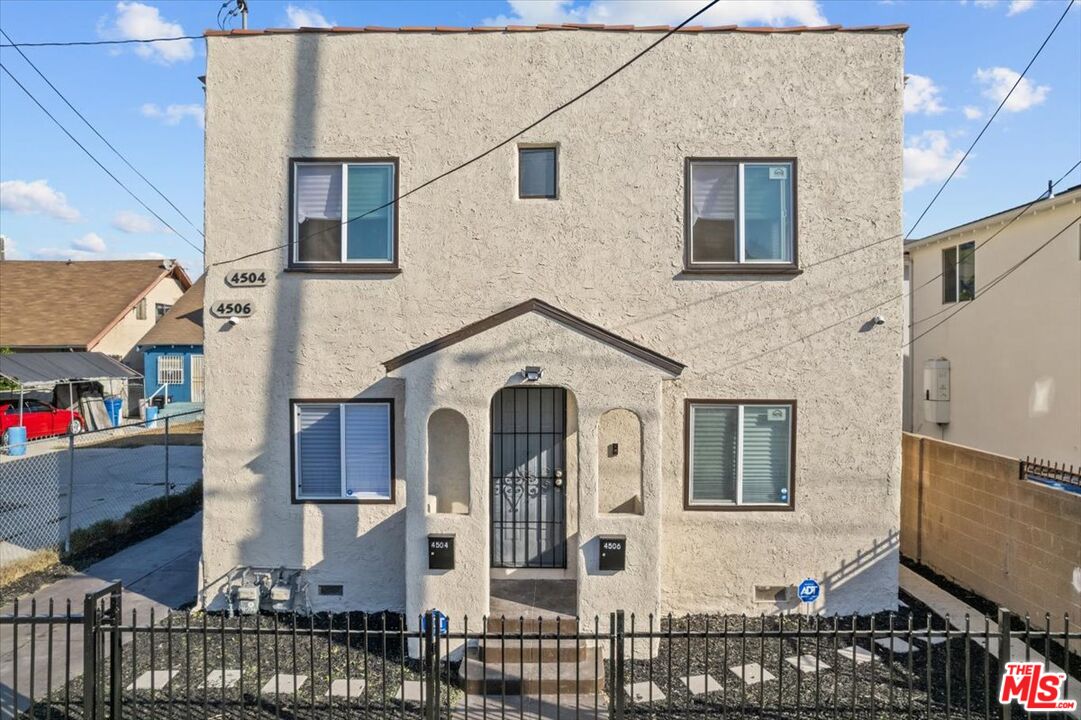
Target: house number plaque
[[246, 278], [232, 308]]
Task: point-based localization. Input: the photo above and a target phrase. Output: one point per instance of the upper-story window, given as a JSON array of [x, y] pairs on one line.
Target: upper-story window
[[344, 215], [537, 172], [959, 273], [741, 215]]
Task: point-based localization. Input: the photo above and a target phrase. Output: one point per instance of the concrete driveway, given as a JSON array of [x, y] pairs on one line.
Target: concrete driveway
[[159, 573]]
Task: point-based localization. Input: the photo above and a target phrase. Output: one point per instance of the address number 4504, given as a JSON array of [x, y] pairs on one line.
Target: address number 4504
[[239, 308]]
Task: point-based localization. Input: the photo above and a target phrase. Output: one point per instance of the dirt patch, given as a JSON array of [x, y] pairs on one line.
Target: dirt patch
[[188, 433]]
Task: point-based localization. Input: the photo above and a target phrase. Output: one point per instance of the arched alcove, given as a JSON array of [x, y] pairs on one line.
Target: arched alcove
[[619, 452], [448, 462]]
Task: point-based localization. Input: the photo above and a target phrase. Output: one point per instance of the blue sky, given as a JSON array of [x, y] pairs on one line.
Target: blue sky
[[55, 203]]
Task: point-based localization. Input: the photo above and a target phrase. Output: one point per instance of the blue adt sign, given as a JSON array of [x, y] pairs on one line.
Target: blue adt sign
[[809, 590]]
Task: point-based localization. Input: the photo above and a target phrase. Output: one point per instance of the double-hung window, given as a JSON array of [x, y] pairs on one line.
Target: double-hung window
[[343, 450], [170, 370], [959, 273], [741, 215], [344, 215], [739, 454]]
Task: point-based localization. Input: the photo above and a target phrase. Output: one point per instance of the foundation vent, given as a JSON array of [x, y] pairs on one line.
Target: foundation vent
[[331, 590], [774, 594]]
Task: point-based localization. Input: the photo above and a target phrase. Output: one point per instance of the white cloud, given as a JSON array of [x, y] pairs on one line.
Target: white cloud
[[985, 3], [997, 82], [1020, 6], [132, 222], [175, 114], [91, 243], [36, 197], [972, 112], [75, 254], [928, 157], [654, 12], [306, 17], [136, 21], [922, 96]]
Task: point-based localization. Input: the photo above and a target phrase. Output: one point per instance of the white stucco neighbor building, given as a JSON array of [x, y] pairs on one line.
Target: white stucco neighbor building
[[1004, 375], [634, 351]]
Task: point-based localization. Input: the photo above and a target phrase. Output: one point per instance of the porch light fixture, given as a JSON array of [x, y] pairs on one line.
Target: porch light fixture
[[531, 373]]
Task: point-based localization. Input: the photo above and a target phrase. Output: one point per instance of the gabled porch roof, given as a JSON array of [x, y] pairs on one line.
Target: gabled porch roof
[[551, 312]]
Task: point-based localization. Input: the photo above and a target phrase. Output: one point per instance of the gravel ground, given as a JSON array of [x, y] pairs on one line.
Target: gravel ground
[[954, 677]]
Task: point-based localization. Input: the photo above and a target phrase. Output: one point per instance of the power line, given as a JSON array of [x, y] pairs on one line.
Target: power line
[[986, 125], [96, 161], [100, 136], [74, 43], [495, 147]]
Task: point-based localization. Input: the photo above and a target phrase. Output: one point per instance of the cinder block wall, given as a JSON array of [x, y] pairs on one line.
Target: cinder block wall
[[966, 515]]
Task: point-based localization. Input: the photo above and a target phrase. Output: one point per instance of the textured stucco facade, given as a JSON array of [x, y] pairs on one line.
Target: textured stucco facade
[[1015, 356], [610, 250]]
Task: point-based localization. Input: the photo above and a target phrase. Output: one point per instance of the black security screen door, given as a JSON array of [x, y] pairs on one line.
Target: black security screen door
[[529, 490]]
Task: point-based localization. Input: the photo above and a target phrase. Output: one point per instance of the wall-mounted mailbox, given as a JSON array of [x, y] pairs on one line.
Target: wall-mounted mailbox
[[613, 552], [440, 552]]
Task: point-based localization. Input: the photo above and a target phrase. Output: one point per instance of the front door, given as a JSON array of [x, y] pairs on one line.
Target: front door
[[197, 378], [529, 490]]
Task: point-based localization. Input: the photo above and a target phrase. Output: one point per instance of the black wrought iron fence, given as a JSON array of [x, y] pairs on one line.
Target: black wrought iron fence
[[104, 663]]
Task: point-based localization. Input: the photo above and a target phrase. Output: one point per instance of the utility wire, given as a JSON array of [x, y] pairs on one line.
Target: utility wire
[[100, 136], [96, 161], [74, 43], [986, 125], [495, 147]]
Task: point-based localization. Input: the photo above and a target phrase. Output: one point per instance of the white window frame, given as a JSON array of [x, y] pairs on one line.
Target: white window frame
[[741, 243], [343, 165], [342, 496], [712, 504], [176, 372]]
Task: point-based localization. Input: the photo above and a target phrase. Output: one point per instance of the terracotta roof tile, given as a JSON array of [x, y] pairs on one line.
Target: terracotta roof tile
[[566, 26]]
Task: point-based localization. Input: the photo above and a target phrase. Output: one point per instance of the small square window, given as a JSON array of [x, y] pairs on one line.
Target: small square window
[[343, 450], [537, 172]]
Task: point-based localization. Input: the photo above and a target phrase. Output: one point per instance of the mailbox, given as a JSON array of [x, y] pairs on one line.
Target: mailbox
[[440, 552], [613, 552]]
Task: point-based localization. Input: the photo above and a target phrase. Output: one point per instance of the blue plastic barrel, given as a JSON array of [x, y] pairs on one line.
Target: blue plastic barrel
[[112, 406], [151, 416], [16, 440]]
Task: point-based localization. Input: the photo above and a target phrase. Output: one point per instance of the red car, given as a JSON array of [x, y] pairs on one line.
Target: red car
[[40, 419]]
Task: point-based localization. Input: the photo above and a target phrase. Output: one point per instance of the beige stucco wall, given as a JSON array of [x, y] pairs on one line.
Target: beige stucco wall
[[121, 339], [1015, 354], [609, 250]]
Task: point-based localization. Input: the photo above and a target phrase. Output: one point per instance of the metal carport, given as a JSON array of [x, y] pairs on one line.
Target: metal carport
[[42, 370]]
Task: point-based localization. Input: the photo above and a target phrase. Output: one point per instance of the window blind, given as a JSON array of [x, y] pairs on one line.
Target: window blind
[[319, 192], [318, 451], [766, 453], [713, 460], [367, 450], [714, 191]]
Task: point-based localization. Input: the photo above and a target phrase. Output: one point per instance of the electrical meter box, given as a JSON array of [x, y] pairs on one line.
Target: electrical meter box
[[936, 391], [613, 553], [440, 552]]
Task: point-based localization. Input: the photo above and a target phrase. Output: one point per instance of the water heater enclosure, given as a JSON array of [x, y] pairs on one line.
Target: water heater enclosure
[[936, 391]]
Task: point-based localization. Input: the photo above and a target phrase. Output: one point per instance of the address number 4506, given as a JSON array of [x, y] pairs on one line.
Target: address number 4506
[[240, 308]]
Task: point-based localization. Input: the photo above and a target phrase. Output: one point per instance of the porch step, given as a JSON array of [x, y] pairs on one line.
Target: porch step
[[532, 625], [511, 650], [584, 677]]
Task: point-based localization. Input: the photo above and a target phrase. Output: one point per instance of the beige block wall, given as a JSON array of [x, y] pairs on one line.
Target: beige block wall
[[609, 250], [966, 515], [1015, 355]]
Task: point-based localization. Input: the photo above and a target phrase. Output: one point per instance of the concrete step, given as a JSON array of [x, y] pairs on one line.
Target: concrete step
[[531, 625], [479, 678], [532, 707], [513, 650]]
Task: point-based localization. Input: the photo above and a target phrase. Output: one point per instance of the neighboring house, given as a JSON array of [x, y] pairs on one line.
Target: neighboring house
[[622, 328], [1009, 367], [99, 305], [173, 350]]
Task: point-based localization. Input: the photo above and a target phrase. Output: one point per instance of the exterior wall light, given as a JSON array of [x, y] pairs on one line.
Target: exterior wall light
[[531, 373]]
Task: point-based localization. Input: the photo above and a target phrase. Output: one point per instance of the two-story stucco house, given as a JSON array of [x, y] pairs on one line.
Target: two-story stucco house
[[632, 352]]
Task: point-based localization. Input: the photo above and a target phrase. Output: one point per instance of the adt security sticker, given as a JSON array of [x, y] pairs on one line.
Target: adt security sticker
[[809, 590]]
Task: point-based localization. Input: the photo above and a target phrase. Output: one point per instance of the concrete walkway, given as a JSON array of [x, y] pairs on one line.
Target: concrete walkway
[[158, 573], [943, 603]]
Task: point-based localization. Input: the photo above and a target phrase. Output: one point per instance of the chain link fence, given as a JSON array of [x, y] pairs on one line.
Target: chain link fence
[[65, 484]]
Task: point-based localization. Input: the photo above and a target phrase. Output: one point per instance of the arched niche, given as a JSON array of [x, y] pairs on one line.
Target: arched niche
[[619, 439], [448, 462]]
